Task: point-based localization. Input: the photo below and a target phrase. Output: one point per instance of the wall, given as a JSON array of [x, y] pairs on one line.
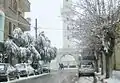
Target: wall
[[116, 58]]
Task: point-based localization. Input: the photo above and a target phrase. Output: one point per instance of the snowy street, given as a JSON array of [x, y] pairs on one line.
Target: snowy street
[[54, 77], [61, 76], [115, 77]]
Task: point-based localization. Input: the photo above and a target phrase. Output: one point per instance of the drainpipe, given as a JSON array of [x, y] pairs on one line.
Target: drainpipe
[[2, 22], [2, 19]]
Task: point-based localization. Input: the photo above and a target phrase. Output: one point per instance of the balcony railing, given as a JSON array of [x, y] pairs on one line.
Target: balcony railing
[[24, 24]]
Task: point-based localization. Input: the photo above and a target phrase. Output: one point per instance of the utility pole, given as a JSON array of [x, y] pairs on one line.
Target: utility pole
[[36, 28]]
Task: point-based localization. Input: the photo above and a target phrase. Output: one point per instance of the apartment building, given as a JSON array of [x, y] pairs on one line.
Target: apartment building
[[15, 15]]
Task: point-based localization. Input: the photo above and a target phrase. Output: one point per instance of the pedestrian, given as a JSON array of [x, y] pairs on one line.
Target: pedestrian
[[60, 66]]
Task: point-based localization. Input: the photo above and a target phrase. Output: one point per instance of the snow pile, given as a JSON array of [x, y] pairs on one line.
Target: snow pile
[[11, 47], [112, 80], [35, 52], [115, 78], [17, 33], [23, 51]]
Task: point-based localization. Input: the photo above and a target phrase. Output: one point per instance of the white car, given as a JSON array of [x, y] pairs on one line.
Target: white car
[[24, 69], [21, 70], [86, 69], [29, 68]]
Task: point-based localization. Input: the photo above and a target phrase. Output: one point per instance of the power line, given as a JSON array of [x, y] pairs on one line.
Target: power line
[[36, 28], [52, 29]]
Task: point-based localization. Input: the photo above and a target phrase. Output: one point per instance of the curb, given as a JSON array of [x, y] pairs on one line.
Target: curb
[[101, 77], [26, 78]]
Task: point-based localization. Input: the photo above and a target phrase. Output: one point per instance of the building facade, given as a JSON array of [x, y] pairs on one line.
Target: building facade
[[14, 15], [66, 33]]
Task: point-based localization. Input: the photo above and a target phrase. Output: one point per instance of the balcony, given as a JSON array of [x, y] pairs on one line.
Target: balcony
[[24, 25], [24, 5]]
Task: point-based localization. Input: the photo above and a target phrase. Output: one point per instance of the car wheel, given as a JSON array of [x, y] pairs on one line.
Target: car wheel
[[8, 78], [41, 72], [93, 75], [26, 75], [17, 76], [79, 75], [33, 74]]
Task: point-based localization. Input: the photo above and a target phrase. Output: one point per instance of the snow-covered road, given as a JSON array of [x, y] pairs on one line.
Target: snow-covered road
[[60, 76]]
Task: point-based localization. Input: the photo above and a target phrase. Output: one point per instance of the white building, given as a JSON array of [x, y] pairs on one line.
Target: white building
[[66, 33]]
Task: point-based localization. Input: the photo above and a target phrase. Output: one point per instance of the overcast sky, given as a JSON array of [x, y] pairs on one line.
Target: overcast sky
[[48, 13]]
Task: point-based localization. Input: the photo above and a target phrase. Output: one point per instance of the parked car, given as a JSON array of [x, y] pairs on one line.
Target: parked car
[[24, 69], [7, 72], [30, 69], [86, 69], [37, 68], [46, 69], [21, 68], [65, 66], [72, 66]]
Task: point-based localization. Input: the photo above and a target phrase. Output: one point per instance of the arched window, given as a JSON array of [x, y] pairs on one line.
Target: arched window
[[68, 37], [14, 4], [67, 27], [11, 2]]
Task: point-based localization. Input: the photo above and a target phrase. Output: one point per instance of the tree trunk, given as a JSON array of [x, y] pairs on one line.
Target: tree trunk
[[111, 66], [107, 66], [97, 68], [10, 58], [114, 60], [102, 67]]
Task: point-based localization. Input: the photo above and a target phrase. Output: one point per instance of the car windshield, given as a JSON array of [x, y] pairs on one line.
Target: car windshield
[[72, 66], [45, 66], [2, 67], [86, 64], [20, 66]]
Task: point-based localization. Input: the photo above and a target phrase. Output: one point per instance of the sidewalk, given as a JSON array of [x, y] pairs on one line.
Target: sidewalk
[[99, 76], [114, 79]]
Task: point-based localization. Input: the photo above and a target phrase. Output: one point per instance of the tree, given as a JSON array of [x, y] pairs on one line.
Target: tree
[[93, 25], [51, 53], [11, 50], [40, 45], [22, 46], [43, 46]]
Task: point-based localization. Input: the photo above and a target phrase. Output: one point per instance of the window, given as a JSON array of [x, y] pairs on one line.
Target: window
[[68, 37], [2, 67], [67, 27], [10, 27], [14, 26], [67, 19], [11, 2], [15, 5]]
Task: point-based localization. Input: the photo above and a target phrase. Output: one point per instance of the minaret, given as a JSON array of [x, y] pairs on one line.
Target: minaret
[[66, 8]]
